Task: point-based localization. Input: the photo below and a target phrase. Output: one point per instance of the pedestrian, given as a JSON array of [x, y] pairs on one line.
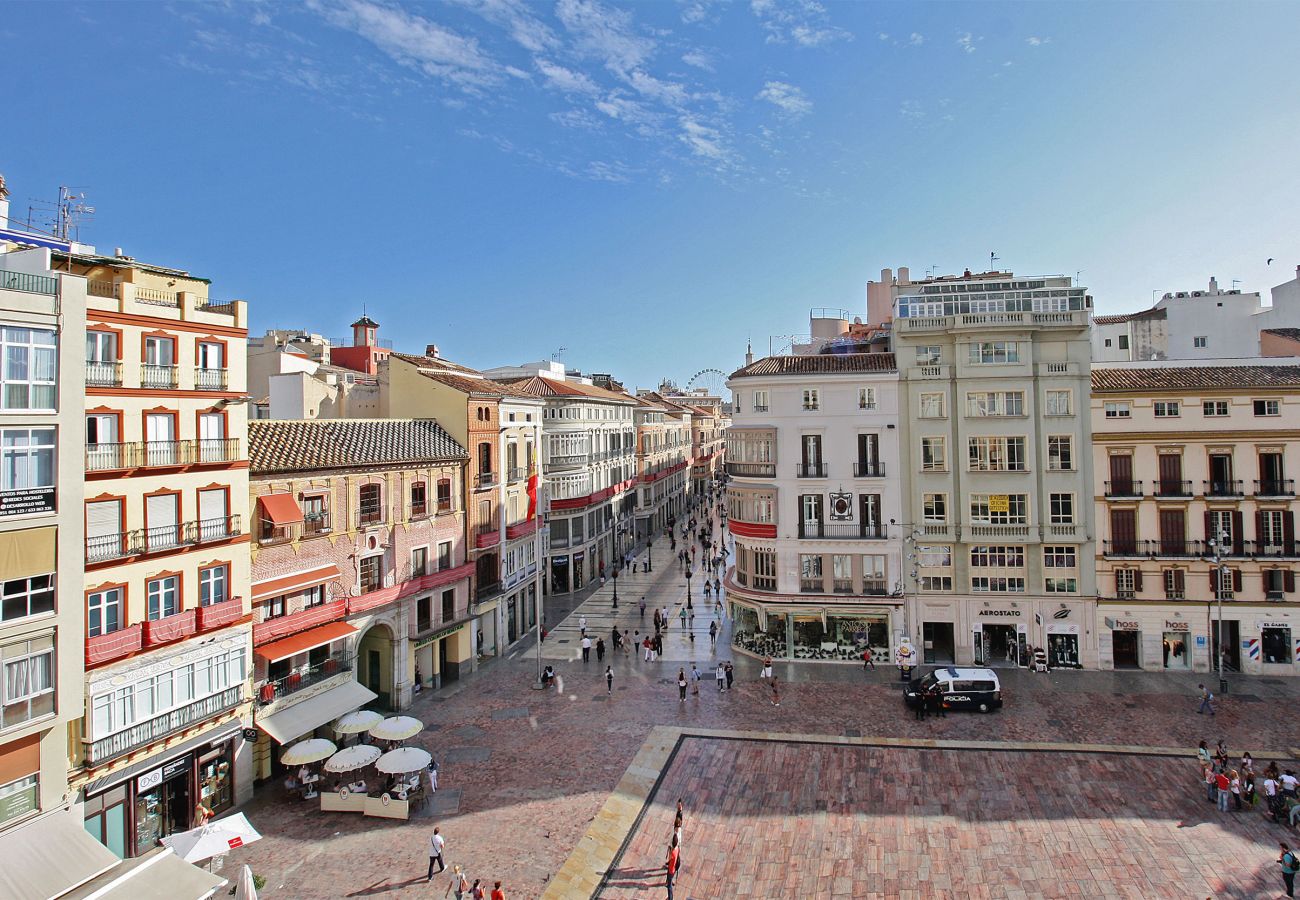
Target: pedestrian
[[1203, 754], [497, 893], [934, 697], [717, 588], [1225, 789], [1247, 763], [922, 706], [609, 680], [663, 617], [600, 650], [767, 668], [776, 692], [476, 890], [867, 661], [643, 609], [436, 845], [1211, 783], [1290, 864], [683, 618], [1248, 789], [1235, 778], [722, 678], [695, 680], [708, 590], [659, 647], [1221, 755], [1272, 797], [678, 818], [731, 675], [645, 645], [627, 645], [459, 884], [586, 649], [1289, 783], [713, 634], [671, 865], [1207, 700], [582, 624], [681, 685]]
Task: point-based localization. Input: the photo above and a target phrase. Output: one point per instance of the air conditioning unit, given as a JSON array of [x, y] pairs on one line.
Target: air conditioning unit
[[1196, 293], [1181, 295]]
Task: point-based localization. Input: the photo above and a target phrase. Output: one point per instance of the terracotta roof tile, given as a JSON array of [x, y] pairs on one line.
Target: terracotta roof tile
[[540, 386], [1130, 317], [821, 363], [1173, 378], [462, 378], [1289, 333], [276, 445]]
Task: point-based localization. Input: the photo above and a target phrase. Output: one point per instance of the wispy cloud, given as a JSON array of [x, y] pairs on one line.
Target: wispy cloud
[[566, 80], [1036, 41], [966, 41], [704, 141], [916, 39], [786, 97], [699, 59], [518, 20], [605, 33], [911, 109], [695, 11], [803, 22]]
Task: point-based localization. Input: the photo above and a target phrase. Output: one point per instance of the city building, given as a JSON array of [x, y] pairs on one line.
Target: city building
[[291, 376], [815, 507], [360, 584], [501, 428], [994, 371], [166, 568], [663, 447], [1196, 510], [1209, 325]]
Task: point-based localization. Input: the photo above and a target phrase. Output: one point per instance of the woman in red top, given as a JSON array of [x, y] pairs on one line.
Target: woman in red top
[[671, 865], [497, 893]]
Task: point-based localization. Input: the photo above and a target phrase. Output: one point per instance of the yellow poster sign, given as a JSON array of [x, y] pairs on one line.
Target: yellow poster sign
[[998, 503]]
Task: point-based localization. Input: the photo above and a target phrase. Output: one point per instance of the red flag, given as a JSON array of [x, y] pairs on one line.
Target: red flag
[[532, 495]]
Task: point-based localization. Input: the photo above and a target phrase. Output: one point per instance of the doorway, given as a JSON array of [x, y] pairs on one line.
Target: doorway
[[1124, 646], [937, 642], [1000, 646], [375, 660], [1231, 645]]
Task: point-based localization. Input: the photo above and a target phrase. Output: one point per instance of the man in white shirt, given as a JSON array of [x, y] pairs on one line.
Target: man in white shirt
[[586, 649], [1288, 781], [436, 843]]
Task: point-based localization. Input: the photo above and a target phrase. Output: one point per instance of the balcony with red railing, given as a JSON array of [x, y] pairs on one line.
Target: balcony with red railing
[[283, 626], [104, 648], [487, 536], [169, 628], [521, 529], [219, 615]]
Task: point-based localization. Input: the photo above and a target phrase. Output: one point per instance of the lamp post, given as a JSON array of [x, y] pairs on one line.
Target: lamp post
[[616, 587], [649, 546], [1219, 545], [688, 584]]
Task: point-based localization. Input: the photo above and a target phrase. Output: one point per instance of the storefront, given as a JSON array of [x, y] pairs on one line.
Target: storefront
[[1279, 644], [1125, 643], [756, 633], [1176, 645], [442, 656], [999, 638], [827, 634], [1063, 645]]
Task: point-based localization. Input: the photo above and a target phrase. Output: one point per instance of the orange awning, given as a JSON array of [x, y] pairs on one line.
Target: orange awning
[[288, 584], [304, 641], [281, 509]]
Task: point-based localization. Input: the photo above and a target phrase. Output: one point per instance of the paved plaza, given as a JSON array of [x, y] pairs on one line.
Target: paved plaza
[[525, 774]]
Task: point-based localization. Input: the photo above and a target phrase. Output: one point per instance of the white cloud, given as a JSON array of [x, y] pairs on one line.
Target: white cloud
[[884, 36], [1007, 63], [1035, 41], [786, 97], [699, 59], [704, 141], [605, 33], [566, 80], [670, 93], [516, 18], [966, 42], [916, 39], [696, 11], [261, 17], [911, 109], [803, 21]]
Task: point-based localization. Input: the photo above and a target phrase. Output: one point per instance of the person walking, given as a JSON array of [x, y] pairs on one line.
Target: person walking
[[586, 649], [713, 634], [731, 675], [476, 890], [609, 680], [600, 650], [1207, 700], [678, 818], [459, 884], [682, 616], [722, 678], [776, 692], [645, 646], [643, 609], [436, 845], [582, 624], [767, 668], [681, 685], [627, 644], [695, 680], [671, 865], [497, 893], [1290, 864], [867, 661]]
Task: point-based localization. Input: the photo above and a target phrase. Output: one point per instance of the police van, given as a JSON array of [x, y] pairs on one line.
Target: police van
[[962, 688]]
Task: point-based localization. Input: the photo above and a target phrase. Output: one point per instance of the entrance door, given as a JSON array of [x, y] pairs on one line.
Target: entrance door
[[1121, 475], [1231, 645], [937, 642], [372, 671], [1125, 649], [978, 638], [1001, 647]]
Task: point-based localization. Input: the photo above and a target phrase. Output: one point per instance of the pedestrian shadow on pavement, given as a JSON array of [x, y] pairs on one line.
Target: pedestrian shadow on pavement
[[634, 877], [383, 887]]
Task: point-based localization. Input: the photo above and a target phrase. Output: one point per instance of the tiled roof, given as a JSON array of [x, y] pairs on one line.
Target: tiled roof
[[1290, 333], [462, 378], [1173, 378], [1130, 317], [821, 363], [540, 386], [276, 445]]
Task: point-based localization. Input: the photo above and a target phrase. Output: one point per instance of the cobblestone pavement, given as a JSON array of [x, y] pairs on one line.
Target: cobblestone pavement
[[524, 772], [767, 819]]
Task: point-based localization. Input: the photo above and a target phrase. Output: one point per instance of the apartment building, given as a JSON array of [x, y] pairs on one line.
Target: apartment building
[[994, 371], [1196, 510], [360, 583], [815, 507], [663, 447], [501, 428], [166, 568]]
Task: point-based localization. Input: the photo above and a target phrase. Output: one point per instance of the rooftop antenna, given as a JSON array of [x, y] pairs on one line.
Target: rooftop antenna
[[558, 354], [929, 272], [65, 216], [993, 257], [1235, 282], [1077, 273]]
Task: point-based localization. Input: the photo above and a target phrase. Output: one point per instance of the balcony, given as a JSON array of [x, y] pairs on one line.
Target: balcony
[[1168, 487], [283, 626], [938, 530], [998, 531], [1127, 490], [1172, 548], [869, 470], [811, 470], [486, 591], [840, 531], [484, 480], [1062, 532], [219, 615], [161, 454], [304, 677], [1275, 487], [210, 379], [369, 517], [752, 469], [1124, 549], [101, 548], [517, 474], [161, 726], [314, 526], [487, 536], [1221, 487], [521, 529], [31, 284], [103, 374], [104, 648], [169, 629], [759, 408], [1274, 551], [565, 460], [159, 377]]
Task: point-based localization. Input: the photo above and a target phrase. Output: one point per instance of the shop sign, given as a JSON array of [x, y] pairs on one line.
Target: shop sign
[[1261, 624], [1123, 625], [26, 501], [1177, 626], [1062, 613], [437, 636], [999, 503], [148, 781], [19, 798], [1202, 640], [1001, 613], [176, 767], [561, 560], [1062, 628]]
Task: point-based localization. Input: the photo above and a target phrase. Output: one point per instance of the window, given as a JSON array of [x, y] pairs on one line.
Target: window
[[932, 405], [928, 355], [1060, 453], [999, 509], [28, 686], [26, 460], [997, 585], [1200, 342], [419, 561], [159, 351], [1108, 342], [371, 573], [1058, 403], [866, 398], [211, 355], [992, 352], [1174, 581], [1275, 583], [1118, 410], [444, 555], [1272, 527], [484, 458], [1214, 408], [275, 607], [103, 612], [1166, 409], [1224, 581], [842, 573], [934, 508], [28, 368], [23, 597], [1123, 341], [1267, 408], [981, 404], [370, 509], [994, 557], [996, 454], [810, 573], [1125, 584], [213, 584], [760, 401], [764, 569], [1275, 644], [448, 605], [419, 500], [1061, 585], [811, 399], [934, 557], [935, 583], [164, 597], [873, 575], [314, 596], [1060, 557], [444, 495], [934, 457], [101, 346], [1062, 509]]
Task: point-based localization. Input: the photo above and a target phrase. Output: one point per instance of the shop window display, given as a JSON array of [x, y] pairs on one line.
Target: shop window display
[[745, 633], [842, 638], [1276, 645]]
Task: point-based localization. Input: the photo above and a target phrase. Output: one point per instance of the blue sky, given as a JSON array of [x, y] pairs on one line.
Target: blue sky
[[648, 185]]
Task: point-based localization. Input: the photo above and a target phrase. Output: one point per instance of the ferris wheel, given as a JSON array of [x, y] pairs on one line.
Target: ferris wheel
[[713, 381]]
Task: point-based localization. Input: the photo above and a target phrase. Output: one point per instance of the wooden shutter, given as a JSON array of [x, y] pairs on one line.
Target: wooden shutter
[[1121, 474], [1238, 538], [1214, 582], [1173, 531], [1137, 581], [1236, 580], [1259, 527], [1123, 530], [1288, 581], [1288, 531], [1171, 472], [1209, 527]]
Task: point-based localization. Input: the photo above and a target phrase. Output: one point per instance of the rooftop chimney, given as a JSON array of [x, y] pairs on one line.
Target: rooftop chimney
[[431, 350]]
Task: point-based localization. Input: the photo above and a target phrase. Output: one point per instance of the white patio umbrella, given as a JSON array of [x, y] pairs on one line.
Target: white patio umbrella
[[308, 751], [357, 722], [213, 839], [397, 728], [245, 888], [403, 760], [352, 758]]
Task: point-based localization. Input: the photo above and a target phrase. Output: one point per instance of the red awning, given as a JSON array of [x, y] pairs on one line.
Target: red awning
[[281, 509], [304, 641], [287, 584]]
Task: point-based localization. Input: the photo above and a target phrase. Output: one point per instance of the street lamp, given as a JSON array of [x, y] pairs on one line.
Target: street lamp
[[688, 585], [616, 587], [1219, 546], [649, 545]]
